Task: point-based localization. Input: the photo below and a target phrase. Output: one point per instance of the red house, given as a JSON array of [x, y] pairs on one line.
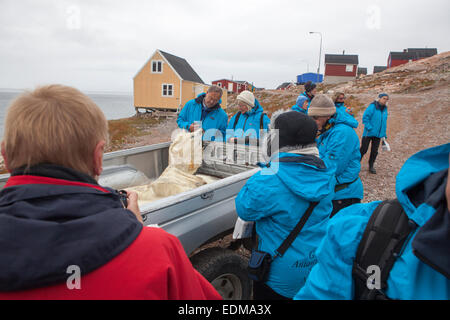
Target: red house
[[340, 67], [408, 55], [232, 86]]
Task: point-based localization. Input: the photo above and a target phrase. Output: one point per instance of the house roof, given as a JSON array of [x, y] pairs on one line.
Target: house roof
[[377, 69], [342, 58], [362, 70], [423, 52], [402, 55], [413, 53], [182, 67], [284, 85]]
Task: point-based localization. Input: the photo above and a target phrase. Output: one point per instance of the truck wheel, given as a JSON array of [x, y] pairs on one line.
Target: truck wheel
[[227, 272]]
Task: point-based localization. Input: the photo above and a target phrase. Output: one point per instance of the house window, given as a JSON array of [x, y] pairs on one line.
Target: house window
[[167, 90], [157, 66], [219, 84], [349, 68]]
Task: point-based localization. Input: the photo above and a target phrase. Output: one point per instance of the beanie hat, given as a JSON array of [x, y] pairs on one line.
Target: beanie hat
[[321, 106], [295, 128], [381, 95], [247, 97], [309, 86]]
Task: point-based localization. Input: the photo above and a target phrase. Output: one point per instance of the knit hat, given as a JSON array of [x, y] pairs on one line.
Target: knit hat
[[321, 106], [247, 97], [309, 86], [295, 128], [381, 95]]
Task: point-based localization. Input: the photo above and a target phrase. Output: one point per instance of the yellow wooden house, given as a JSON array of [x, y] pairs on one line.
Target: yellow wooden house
[[166, 82]]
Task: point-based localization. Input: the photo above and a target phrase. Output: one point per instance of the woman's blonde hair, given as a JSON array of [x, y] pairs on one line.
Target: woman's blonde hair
[[336, 96], [54, 124]]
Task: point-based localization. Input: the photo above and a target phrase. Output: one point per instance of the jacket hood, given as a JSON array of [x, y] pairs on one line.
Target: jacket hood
[[414, 173], [316, 182], [342, 117], [420, 189], [378, 105], [256, 109], [49, 224]]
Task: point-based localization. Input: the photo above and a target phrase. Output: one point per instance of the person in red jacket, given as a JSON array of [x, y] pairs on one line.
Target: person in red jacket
[[62, 235]]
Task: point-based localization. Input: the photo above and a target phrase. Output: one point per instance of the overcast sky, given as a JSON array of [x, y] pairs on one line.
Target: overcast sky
[[100, 45]]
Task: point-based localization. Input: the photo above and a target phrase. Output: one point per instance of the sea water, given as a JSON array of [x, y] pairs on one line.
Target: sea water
[[113, 105]]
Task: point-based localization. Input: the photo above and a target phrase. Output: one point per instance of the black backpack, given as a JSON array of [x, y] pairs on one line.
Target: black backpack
[[382, 242]]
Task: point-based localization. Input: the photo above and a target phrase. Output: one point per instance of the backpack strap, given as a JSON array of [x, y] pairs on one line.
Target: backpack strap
[[236, 120], [261, 121], [294, 233], [386, 232]]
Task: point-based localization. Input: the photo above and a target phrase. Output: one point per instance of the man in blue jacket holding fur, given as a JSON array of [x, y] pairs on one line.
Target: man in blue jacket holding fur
[[206, 111]]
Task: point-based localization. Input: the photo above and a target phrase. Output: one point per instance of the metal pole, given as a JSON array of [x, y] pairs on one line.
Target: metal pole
[[320, 53]]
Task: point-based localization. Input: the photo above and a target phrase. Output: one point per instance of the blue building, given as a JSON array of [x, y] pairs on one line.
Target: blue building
[[303, 78]]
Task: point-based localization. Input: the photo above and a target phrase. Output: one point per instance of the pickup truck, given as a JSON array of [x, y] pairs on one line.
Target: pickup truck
[[198, 217]]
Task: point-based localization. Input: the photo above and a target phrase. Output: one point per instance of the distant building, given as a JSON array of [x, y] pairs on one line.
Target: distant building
[[310, 76], [377, 69], [285, 86], [232, 86], [340, 67], [409, 55], [362, 72], [167, 82]]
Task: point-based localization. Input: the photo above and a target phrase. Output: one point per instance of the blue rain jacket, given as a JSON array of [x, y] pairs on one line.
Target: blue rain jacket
[[276, 198], [342, 109], [375, 120], [339, 148], [419, 271], [211, 118], [248, 123], [299, 109]]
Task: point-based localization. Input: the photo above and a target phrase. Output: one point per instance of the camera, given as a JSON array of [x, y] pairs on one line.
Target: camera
[[123, 198]]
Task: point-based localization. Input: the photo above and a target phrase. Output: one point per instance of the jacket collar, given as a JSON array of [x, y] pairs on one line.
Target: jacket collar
[[48, 224], [200, 99]]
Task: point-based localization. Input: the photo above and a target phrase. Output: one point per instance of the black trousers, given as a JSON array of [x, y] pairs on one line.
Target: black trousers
[[373, 151], [341, 204], [262, 291]]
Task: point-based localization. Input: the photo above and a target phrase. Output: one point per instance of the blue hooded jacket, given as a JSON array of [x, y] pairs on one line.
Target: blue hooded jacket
[[248, 123], [211, 118], [298, 106], [299, 103], [422, 271], [375, 120], [276, 198], [339, 148], [342, 109]]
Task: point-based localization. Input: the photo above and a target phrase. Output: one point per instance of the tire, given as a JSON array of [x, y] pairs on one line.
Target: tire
[[227, 272]]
